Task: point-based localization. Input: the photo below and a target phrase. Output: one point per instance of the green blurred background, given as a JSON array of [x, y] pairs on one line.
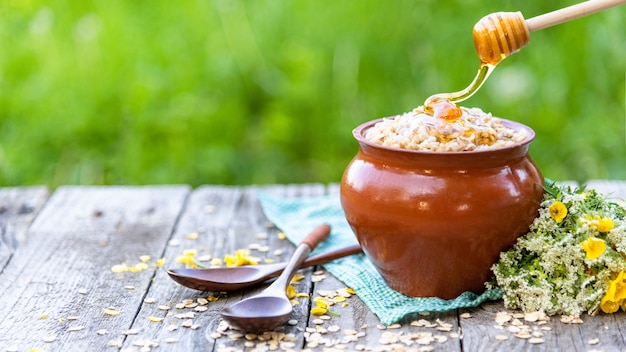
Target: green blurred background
[[268, 91]]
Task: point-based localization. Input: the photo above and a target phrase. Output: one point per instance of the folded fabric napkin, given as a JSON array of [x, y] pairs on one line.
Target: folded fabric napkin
[[296, 217]]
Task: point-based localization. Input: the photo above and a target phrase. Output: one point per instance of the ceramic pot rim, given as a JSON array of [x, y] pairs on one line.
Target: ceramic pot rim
[[359, 135]]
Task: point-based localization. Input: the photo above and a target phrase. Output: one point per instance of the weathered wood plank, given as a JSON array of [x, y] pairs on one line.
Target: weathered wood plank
[[210, 213], [481, 332], [61, 270], [60, 277], [18, 208], [235, 222]]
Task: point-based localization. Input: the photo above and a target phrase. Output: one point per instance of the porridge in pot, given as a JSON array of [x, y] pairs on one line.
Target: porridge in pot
[[474, 130]]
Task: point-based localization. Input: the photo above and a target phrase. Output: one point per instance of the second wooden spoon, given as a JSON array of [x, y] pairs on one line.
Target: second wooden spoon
[[228, 279]]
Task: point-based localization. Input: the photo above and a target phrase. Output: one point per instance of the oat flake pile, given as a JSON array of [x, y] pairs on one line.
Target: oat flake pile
[[416, 130]]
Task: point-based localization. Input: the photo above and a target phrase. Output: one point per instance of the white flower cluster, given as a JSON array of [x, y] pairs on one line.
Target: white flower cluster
[[552, 268]]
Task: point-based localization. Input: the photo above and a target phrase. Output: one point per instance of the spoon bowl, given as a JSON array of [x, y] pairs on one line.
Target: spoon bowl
[[228, 279], [270, 312], [271, 308]]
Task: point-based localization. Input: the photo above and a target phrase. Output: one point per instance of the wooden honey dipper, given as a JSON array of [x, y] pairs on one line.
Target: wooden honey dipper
[[499, 35]]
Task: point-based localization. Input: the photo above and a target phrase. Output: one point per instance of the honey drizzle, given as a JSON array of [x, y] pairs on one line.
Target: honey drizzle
[[439, 105], [496, 36]]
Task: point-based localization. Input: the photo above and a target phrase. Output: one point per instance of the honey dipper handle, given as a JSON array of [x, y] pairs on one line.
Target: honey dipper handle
[[570, 13]]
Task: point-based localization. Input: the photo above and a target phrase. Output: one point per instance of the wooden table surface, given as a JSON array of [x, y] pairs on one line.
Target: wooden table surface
[[57, 251]]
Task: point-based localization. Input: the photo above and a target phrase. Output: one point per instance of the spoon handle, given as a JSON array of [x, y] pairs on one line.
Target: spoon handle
[[299, 255], [332, 255], [570, 13], [316, 236]]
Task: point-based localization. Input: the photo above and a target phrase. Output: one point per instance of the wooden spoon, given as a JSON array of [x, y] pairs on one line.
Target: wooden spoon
[[229, 279], [271, 308]]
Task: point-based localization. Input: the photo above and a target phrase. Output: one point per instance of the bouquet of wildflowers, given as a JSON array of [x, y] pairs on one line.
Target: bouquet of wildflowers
[[572, 260]]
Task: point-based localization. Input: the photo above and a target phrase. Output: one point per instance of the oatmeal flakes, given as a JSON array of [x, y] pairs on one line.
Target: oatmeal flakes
[[475, 130]]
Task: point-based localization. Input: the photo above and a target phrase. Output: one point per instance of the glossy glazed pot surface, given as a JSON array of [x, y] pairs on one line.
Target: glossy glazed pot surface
[[434, 223]]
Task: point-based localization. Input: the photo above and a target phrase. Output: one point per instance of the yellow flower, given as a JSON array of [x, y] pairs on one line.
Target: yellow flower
[[291, 292], [617, 287], [605, 225], [609, 306], [318, 311], [188, 258], [558, 211], [593, 247], [241, 257], [321, 308]]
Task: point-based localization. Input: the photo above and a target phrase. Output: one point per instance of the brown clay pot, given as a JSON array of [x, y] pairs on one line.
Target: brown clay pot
[[434, 223]]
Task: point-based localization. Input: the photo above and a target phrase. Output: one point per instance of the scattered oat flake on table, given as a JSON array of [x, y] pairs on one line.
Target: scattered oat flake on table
[[149, 300], [115, 343], [82, 291], [119, 268], [75, 328], [569, 319], [131, 332], [317, 278], [593, 341], [503, 318], [202, 301], [138, 267], [205, 258], [50, 338], [192, 236], [111, 312], [145, 258], [465, 315], [102, 332], [536, 316], [154, 319]]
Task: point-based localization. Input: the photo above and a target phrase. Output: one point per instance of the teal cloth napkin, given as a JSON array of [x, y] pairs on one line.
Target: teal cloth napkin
[[297, 216]]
